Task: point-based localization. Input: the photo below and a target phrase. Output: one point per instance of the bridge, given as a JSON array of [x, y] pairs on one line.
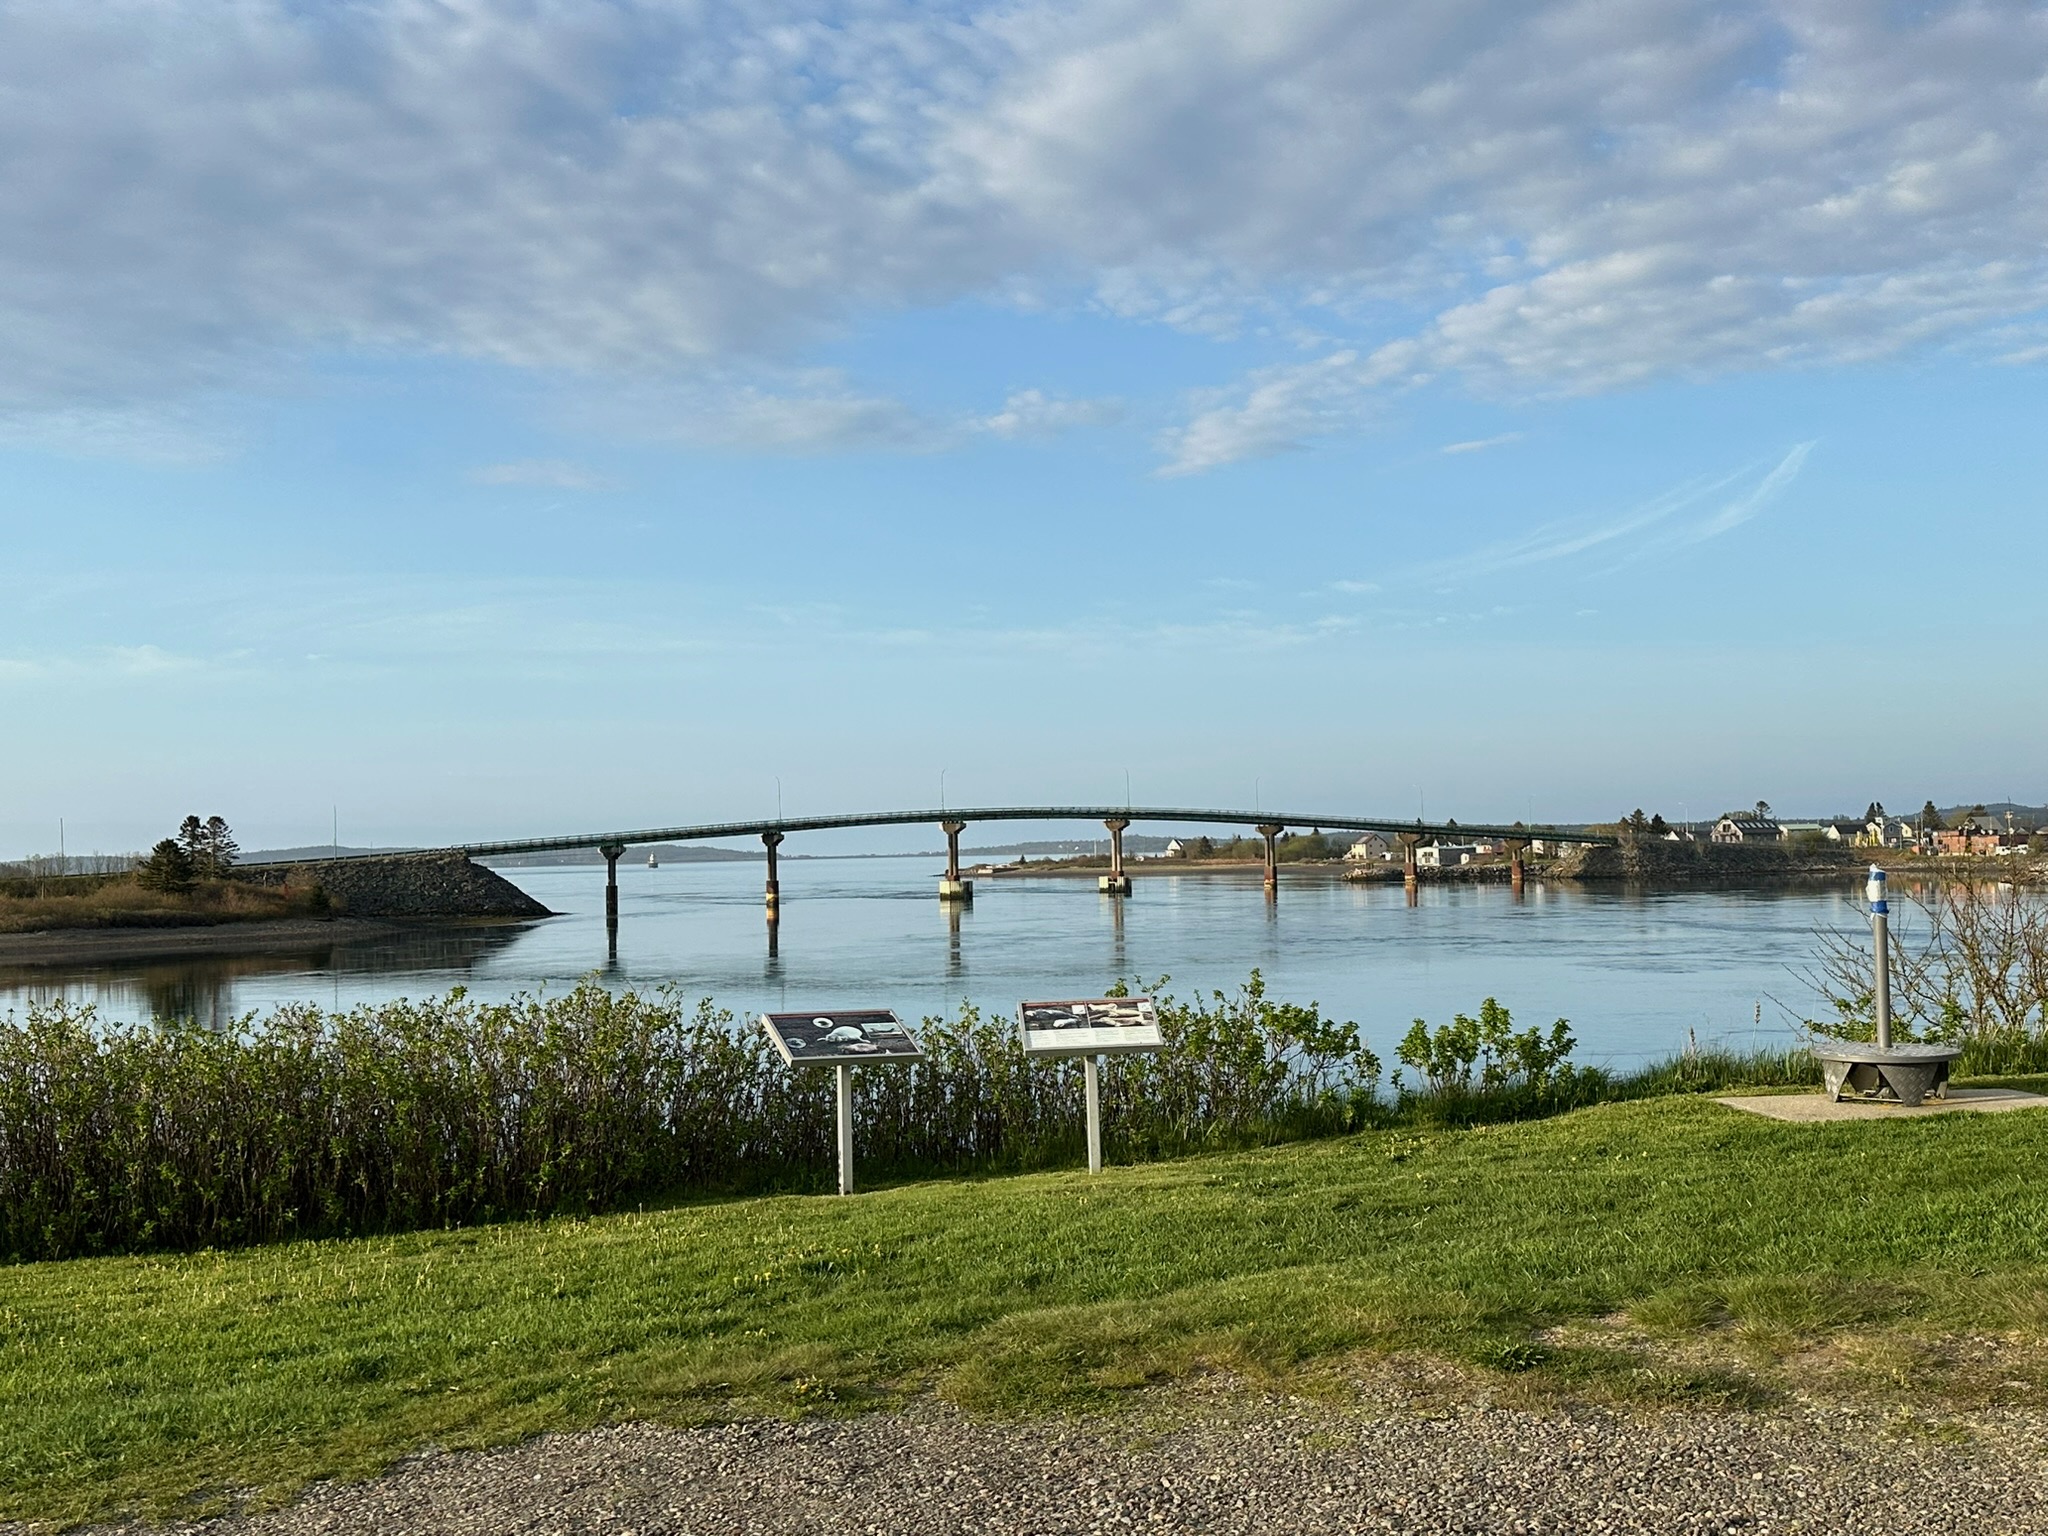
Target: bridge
[[955, 888]]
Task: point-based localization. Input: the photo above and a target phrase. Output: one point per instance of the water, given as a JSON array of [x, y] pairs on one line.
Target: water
[[1634, 971]]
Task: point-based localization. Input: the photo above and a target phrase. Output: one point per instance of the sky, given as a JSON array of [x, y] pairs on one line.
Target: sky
[[484, 419]]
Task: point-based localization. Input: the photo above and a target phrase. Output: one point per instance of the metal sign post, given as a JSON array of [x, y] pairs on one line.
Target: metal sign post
[[838, 1039], [1090, 1028], [1091, 1076], [1880, 923], [845, 1074]]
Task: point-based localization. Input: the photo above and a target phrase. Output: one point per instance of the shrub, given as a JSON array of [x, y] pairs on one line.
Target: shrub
[[1518, 1071], [421, 1114], [168, 868]]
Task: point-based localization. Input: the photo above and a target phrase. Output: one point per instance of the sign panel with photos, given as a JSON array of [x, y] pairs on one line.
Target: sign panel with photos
[[1092, 1026], [840, 1037]]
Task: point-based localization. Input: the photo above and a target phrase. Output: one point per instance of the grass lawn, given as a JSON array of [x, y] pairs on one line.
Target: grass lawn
[[1667, 1248]]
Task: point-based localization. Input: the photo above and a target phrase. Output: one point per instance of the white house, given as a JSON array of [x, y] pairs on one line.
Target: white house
[[1741, 827], [1175, 849], [1370, 848], [1445, 855]]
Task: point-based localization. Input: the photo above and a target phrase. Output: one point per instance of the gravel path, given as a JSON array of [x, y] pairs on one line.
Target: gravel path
[[1271, 1467]]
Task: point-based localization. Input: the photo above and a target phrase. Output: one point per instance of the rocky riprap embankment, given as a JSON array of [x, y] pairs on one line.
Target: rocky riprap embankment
[[1654, 861], [1251, 1469], [405, 885]]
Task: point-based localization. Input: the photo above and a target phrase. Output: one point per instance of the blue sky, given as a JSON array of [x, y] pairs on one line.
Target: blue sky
[[495, 419]]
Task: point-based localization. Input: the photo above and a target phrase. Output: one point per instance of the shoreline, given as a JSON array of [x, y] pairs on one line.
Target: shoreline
[[73, 946]]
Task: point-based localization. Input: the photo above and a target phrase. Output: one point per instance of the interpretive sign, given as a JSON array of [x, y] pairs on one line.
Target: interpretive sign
[[1095, 1026], [841, 1036]]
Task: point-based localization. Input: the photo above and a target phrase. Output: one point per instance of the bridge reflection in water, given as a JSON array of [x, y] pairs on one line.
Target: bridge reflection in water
[[956, 891]]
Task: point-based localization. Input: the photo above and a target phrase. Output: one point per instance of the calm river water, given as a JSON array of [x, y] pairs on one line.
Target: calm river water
[[1633, 970]]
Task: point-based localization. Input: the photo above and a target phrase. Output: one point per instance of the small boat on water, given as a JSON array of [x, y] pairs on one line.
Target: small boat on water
[[653, 862]]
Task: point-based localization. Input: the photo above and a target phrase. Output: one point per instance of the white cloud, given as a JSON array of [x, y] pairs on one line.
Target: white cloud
[[1528, 199], [1032, 413], [1481, 444], [549, 474]]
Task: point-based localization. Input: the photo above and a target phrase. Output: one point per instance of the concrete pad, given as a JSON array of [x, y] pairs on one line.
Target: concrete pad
[[1810, 1108]]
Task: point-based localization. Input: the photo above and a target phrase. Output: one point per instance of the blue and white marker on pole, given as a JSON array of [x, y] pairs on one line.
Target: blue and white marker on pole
[[1880, 923]]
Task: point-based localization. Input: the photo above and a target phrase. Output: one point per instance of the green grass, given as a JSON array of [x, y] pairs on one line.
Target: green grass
[[1671, 1247]]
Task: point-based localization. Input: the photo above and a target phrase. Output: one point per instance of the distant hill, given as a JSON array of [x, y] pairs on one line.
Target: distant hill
[[310, 852]]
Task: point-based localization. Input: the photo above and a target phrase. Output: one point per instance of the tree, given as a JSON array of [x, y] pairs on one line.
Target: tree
[[1874, 814], [1658, 825], [1930, 818], [221, 848], [168, 868], [192, 838], [1763, 810]]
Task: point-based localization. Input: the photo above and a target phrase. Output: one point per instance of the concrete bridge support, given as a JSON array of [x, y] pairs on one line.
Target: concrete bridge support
[[771, 841], [611, 852], [953, 887], [1409, 877], [1516, 846], [1116, 882], [1271, 831]]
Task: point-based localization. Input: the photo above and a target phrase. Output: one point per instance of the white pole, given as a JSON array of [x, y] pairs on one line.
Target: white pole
[[1880, 923], [1092, 1078], [845, 1071]]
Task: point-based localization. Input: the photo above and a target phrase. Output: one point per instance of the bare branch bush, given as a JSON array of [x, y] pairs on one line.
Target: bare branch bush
[[1969, 966]]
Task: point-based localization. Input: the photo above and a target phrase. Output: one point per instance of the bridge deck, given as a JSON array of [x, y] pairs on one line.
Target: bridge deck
[[973, 814]]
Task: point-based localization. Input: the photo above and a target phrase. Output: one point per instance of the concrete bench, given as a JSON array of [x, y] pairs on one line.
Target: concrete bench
[[1901, 1074]]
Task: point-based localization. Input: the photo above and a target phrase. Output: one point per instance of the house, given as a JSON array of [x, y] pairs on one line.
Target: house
[[1967, 841], [1787, 830], [1445, 855], [1371, 847], [1545, 846], [1175, 849], [1888, 832], [1742, 827], [1847, 832]]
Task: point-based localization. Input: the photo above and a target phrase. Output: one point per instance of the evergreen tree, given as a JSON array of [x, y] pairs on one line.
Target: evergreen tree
[[1763, 810], [1658, 826], [222, 851], [192, 838], [1930, 818], [168, 868]]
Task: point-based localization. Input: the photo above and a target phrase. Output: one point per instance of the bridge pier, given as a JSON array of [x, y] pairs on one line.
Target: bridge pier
[[1271, 831], [611, 852], [771, 841], [1116, 882], [1516, 847], [952, 887], [1409, 877]]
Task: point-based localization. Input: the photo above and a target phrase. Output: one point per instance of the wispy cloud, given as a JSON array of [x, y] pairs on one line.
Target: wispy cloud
[[1750, 503], [549, 474], [1481, 444], [1690, 513], [1033, 413]]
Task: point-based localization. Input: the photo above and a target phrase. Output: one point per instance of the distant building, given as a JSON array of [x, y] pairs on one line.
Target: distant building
[[1741, 827], [1888, 832], [1371, 847], [1842, 831], [1970, 840], [1175, 849], [1445, 855], [1787, 830]]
